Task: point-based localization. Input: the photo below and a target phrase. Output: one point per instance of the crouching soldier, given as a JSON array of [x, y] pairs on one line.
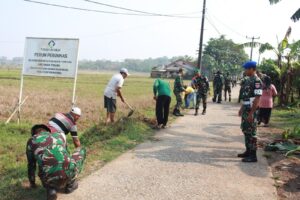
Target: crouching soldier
[[58, 169]]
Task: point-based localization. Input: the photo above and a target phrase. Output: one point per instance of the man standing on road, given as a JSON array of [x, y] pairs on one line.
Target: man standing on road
[[227, 88], [250, 94], [58, 170], [112, 90], [162, 96], [218, 87], [178, 89], [201, 84], [66, 123]]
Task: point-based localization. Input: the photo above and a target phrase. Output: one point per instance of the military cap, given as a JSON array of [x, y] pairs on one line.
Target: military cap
[[249, 65]]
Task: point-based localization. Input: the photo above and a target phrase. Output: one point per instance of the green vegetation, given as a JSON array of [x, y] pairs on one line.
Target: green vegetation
[[137, 65], [223, 54], [286, 118]]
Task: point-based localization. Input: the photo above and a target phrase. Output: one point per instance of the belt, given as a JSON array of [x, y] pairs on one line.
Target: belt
[[247, 103]]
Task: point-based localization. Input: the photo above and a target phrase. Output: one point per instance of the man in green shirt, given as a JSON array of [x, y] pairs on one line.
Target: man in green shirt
[[162, 95]]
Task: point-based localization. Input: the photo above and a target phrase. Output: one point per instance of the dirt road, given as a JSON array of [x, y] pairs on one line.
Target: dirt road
[[193, 159]]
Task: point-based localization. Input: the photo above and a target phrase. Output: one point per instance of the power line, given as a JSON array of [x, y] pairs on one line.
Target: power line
[[106, 12], [140, 11], [225, 25], [213, 25], [122, 8]]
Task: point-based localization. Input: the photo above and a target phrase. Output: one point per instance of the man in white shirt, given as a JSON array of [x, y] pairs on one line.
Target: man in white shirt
[[112, 90]]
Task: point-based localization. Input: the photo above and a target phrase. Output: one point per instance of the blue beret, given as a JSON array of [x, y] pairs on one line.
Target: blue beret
[[249, 65]]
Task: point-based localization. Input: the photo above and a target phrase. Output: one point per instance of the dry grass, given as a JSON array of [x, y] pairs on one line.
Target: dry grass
[[50, 95]]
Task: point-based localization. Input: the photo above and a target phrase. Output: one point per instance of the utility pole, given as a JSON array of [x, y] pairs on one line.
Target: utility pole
[[252, 44], [199, 64]]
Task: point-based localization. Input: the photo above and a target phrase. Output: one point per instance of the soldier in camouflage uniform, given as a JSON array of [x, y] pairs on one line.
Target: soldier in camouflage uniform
[[201, 83], [250, 94], [58, 169], [178, 89], [227, 86], [218, 87]]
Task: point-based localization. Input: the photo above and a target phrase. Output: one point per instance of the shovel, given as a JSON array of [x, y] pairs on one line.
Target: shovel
[[131, 109]]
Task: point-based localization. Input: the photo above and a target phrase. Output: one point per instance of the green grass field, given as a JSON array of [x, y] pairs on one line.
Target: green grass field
[[285, 118], [49, 95]]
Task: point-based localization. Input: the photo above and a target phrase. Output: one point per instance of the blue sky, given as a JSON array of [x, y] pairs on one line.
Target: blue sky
[[117, 37]]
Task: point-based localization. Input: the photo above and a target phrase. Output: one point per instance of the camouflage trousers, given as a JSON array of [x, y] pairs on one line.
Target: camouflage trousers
[[200, 96], [62, 179], [249, 129], [227, 89], [179, 101]]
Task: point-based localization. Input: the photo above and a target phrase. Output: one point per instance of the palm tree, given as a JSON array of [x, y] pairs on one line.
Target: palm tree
[[279, 51], [295, 17]]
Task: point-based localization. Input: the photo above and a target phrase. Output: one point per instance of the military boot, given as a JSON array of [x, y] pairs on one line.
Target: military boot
[[196, 111], [71, 187], [51, 194], [251, 158], [175, 111], [179, 114], [204, 111], [245, 154], [229, 98]]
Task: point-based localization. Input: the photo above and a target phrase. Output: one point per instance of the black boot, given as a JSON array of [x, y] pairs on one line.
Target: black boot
[[214, 100], [51, 194], [204, 111], [71, 187], [251, 158], [179, 114], [229, 98], [196, 111], [175, 111], [245, 154]]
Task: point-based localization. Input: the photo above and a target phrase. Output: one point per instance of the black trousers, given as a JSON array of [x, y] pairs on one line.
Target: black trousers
[[264, 115], [162, 109]]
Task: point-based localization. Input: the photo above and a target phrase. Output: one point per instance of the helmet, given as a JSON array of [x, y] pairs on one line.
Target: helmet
[[76, 111]]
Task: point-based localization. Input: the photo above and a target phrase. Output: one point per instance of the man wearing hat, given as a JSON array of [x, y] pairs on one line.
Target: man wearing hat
[[178, 89], [201, 83], [112, 90], [218, 87], [250, 92], [58, 169]]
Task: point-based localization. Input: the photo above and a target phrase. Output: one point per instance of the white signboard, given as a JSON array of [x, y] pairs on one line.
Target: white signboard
[[51, 57]]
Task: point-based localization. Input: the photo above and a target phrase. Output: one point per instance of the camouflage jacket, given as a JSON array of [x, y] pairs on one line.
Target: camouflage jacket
[[227, 81], [218, 80], [201, 83], [178, 84], [250, 87], [49, 151]]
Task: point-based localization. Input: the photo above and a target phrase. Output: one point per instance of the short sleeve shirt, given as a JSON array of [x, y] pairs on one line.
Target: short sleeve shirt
[[111, 89]]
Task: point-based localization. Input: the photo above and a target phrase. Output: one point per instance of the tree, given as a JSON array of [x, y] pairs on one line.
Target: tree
[[295, 17], [223, 54], [291, 53]]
